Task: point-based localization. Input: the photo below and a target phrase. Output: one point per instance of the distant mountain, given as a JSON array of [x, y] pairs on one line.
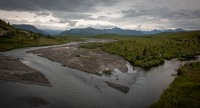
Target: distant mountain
[[83, 31], [92, 31], [36, 30], [153, 31], [175, 30], [161, 31], [52, 32], [28, 28], [122, 31]]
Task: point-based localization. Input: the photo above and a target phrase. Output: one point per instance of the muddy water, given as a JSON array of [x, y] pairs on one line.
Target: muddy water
[[76, 89]]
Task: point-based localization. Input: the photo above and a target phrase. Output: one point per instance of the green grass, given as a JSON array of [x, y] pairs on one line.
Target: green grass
[[19, 39], [184, 92], [152, 50], [92, 45], [11, 38]]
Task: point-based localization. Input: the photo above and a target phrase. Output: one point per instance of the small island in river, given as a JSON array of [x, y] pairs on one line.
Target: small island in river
[[89, 60], [12, 69]]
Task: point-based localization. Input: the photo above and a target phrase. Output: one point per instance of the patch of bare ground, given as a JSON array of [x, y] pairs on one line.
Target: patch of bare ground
[[89, 60], [13, 70]]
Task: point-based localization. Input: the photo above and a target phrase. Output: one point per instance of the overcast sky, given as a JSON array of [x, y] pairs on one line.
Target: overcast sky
[[127, 14]]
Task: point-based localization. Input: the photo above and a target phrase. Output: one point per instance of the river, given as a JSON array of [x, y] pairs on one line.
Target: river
[[72, 88]]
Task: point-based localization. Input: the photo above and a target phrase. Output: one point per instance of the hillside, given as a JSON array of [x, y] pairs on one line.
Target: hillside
[[28, 28], [11, 38], [4, 27]]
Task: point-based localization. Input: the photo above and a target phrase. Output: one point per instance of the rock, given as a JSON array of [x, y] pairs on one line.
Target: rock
[[118, 87]]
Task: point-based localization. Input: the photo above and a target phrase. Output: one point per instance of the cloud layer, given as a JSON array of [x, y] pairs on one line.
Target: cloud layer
[[131, 14]]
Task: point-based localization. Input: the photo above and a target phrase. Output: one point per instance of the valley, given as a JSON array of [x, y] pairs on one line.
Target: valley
[[105, 70]]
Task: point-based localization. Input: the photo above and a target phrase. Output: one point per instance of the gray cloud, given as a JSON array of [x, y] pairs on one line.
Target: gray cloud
[[72, 23], [130, 13], [44, 13], [175, 18], [157, 12], [62, 9], [98, 26], [102, 17], [71, 15], [58, 5]]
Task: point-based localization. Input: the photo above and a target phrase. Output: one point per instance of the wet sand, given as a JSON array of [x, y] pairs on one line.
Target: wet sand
[[94, 61], [12, 69]]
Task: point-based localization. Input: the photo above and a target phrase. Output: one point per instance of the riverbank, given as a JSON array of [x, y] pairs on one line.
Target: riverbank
[[12, 69], [153, 50], [184, 92], [94, 61]]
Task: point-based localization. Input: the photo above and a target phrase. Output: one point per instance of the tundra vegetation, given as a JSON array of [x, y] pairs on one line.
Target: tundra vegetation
[[149, 51], [11, 38], [184, 92], [152, 50]]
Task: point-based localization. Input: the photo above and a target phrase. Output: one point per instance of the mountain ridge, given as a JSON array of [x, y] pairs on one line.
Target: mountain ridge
[[27, 27], [156, 31], [92, 31], [34, 29]]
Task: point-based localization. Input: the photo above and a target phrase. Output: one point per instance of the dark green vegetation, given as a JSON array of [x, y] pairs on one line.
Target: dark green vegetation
[[18, 39], [5, 26], [92, 45], [11, 38], [102, 36], [152, 50], [184, 92]]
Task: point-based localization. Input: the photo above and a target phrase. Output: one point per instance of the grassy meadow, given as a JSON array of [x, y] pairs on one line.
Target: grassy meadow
[[152, 50], [184, 92], [18, 39]]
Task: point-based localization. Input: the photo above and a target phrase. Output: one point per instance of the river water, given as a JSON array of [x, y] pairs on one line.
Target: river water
[[72, 88]]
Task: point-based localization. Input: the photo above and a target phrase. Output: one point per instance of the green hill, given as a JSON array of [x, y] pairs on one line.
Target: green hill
[[11, 38]]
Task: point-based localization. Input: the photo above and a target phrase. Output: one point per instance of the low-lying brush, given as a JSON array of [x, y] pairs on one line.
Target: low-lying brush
[[184, 92]]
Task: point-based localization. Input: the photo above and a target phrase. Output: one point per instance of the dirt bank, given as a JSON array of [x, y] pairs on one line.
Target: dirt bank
[[12, 69], [89, 60]]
